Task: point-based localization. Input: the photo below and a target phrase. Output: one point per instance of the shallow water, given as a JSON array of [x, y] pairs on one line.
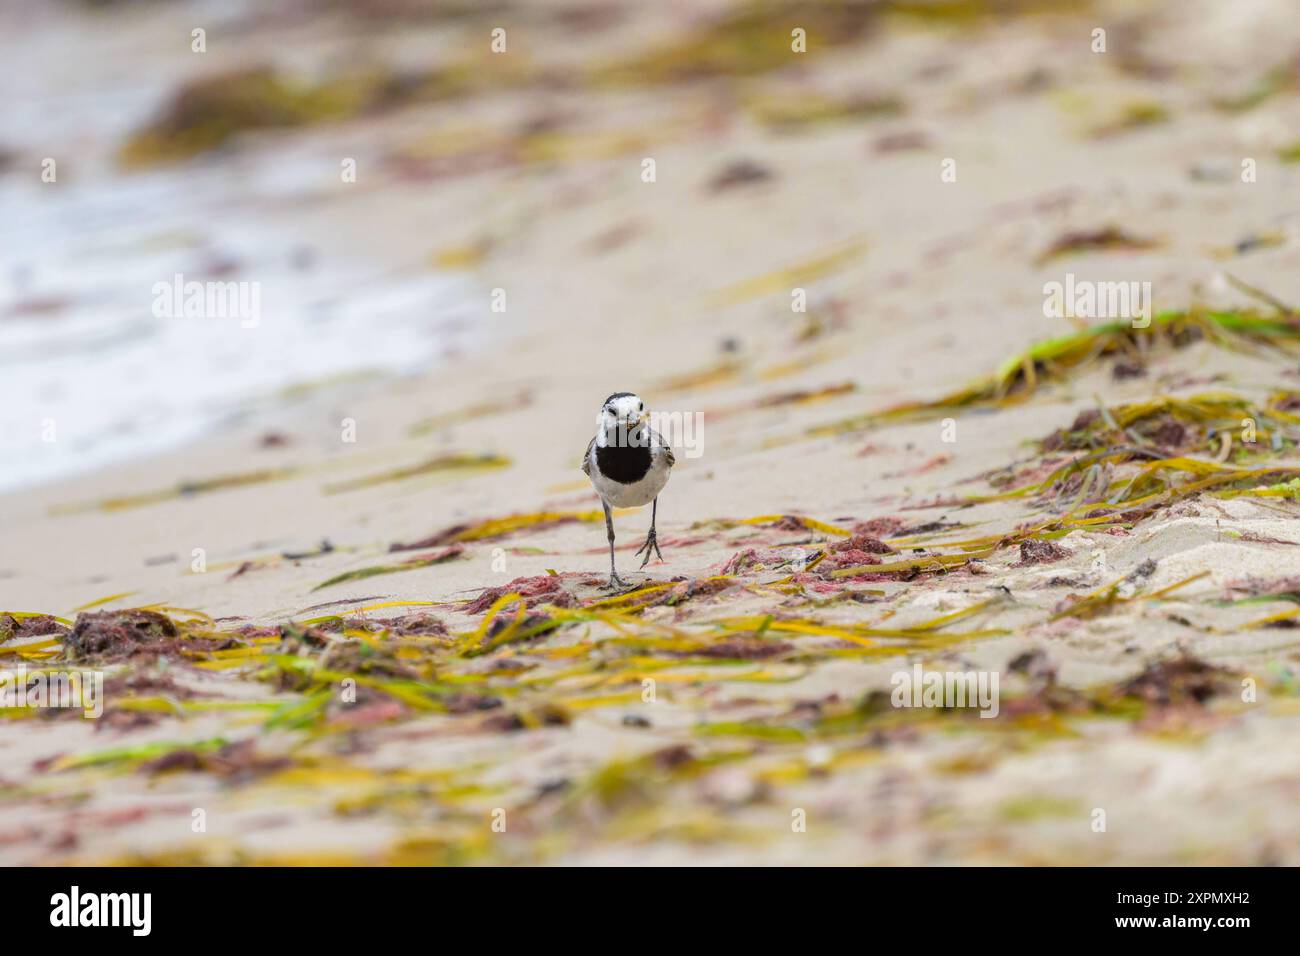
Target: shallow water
[[95, 367]]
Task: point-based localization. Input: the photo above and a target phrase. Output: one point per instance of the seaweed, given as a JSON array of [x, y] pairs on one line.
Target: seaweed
[[1109, 597], [18, 626], [207, 113], [1180, 680], [549, 586], [1272, 82], [715, 374], [784, 279], [962, 12], [1041, 552], [1169, 426], [741, 172], [806, 396], [742, 647], [410, 564], [1132, 115], [135, 756], [420, 622], [184, 489], [1021, 376], [108, 636], [795, 523], [748, 39], [496, 528], [794, 112], [1091, 240], [439, 464], [470, 413], [238, 761], [752, 38]]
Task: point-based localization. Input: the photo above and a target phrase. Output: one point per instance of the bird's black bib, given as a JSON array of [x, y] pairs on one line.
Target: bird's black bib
[[625, 464]]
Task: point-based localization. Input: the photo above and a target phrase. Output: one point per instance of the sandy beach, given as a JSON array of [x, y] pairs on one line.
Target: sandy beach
[[371, 625]]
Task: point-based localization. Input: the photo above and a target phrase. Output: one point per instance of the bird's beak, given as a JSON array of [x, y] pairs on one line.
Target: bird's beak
[[643, 418]]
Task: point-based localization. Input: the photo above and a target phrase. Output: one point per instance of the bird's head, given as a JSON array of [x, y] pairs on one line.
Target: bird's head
[[622, 410]]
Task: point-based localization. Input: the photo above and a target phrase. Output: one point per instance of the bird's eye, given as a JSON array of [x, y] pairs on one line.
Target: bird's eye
[[640, 406]]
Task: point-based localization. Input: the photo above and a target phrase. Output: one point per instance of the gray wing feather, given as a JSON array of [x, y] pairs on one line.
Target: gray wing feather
[[660, 447]]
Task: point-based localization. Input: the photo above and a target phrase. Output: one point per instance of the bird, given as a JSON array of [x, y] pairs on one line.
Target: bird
[[628, 463]]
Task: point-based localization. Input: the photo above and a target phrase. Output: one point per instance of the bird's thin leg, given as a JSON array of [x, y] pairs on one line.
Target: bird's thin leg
[[614, 580], [653, 537], [651, 541]]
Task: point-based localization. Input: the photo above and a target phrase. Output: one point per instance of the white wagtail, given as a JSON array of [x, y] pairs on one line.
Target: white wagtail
[[628, 463]]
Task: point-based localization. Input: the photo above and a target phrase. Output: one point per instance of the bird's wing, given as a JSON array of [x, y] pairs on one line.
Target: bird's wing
[[586, 459], [657, 444]]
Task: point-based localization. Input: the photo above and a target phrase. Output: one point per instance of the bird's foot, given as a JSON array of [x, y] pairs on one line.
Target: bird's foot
[[614, 582], [651, 545]]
